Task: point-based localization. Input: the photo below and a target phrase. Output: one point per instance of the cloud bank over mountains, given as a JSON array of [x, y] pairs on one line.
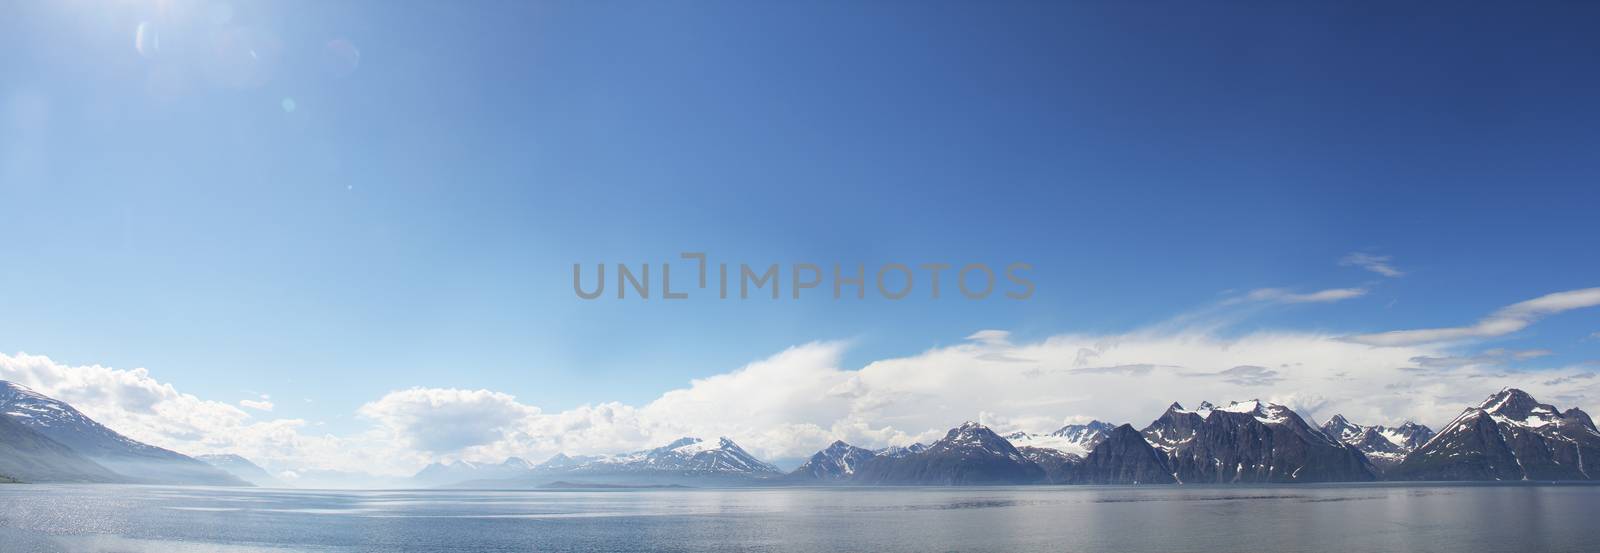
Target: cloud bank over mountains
[[796, 401]]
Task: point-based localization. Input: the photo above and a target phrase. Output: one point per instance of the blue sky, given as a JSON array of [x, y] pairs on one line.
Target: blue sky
[[413, 219]]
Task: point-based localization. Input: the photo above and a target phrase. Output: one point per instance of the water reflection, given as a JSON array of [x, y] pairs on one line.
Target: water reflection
[[1268, 518]]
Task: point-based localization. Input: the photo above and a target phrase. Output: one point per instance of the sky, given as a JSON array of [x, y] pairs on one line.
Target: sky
[[301, 229]]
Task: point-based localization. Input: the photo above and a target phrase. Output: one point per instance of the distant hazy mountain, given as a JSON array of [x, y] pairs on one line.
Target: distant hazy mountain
[[968, 454], [1252, 441], [562, 460], [29, 456], [1510, 436], [685, 455], [438, 474], [685, 461], [126, 457], [835, 463], [1384, 446], [243, 469], [901, 451]]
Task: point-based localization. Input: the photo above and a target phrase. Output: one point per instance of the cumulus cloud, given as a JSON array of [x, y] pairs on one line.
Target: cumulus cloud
[[448, 420], [1375, 263], [135, 404], [1506, 320], [1280, 295], [259, 405]]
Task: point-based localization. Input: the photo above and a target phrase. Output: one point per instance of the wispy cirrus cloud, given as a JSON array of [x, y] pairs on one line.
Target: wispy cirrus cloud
[[1280, 295], [1503, 321], [257, 404], [1375, 263]]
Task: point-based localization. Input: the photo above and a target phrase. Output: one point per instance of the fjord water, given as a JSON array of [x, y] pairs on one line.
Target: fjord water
[[1304, 518]]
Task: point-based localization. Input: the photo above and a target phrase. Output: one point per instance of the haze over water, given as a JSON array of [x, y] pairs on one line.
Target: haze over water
[[1300, 518]]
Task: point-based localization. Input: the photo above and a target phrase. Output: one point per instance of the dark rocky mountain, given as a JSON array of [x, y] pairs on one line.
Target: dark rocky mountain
[[1059, 467], [1510, 436], [1124, 457], [835, 463], [1252, 442], [1384, 446], [244, 469], [968, 454], [29, 456], [134, 460]]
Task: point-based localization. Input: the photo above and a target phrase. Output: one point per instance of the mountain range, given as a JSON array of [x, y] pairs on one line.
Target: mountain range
[[1384, 447], [45, 440], [1509, 436]]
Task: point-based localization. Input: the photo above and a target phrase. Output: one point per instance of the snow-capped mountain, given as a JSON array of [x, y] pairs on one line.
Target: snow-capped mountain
[[901, 451], [1382, 445], [968, 454], [837, 462], [28, 456], [244, 469], [1252, 441], [682, 455], [133, 459], [1510, 436], [1075, 439], [562, 460], [460, 471]]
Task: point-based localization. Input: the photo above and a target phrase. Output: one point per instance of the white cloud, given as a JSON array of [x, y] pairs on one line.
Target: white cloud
[[1375, 263], [1280, 295], [135, 404], [448, 420], [1504, 321], [796, 401], [259, 405]]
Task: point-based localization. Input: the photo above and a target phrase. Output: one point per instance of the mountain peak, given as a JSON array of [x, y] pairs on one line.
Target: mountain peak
[[1252, 406], [974, 435], [1510, 402], [680, 442]]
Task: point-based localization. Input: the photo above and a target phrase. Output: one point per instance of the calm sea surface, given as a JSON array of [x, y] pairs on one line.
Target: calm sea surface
[[1346, 518]]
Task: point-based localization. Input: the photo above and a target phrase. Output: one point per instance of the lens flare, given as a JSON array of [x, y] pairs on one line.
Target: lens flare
[[146, 40]]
